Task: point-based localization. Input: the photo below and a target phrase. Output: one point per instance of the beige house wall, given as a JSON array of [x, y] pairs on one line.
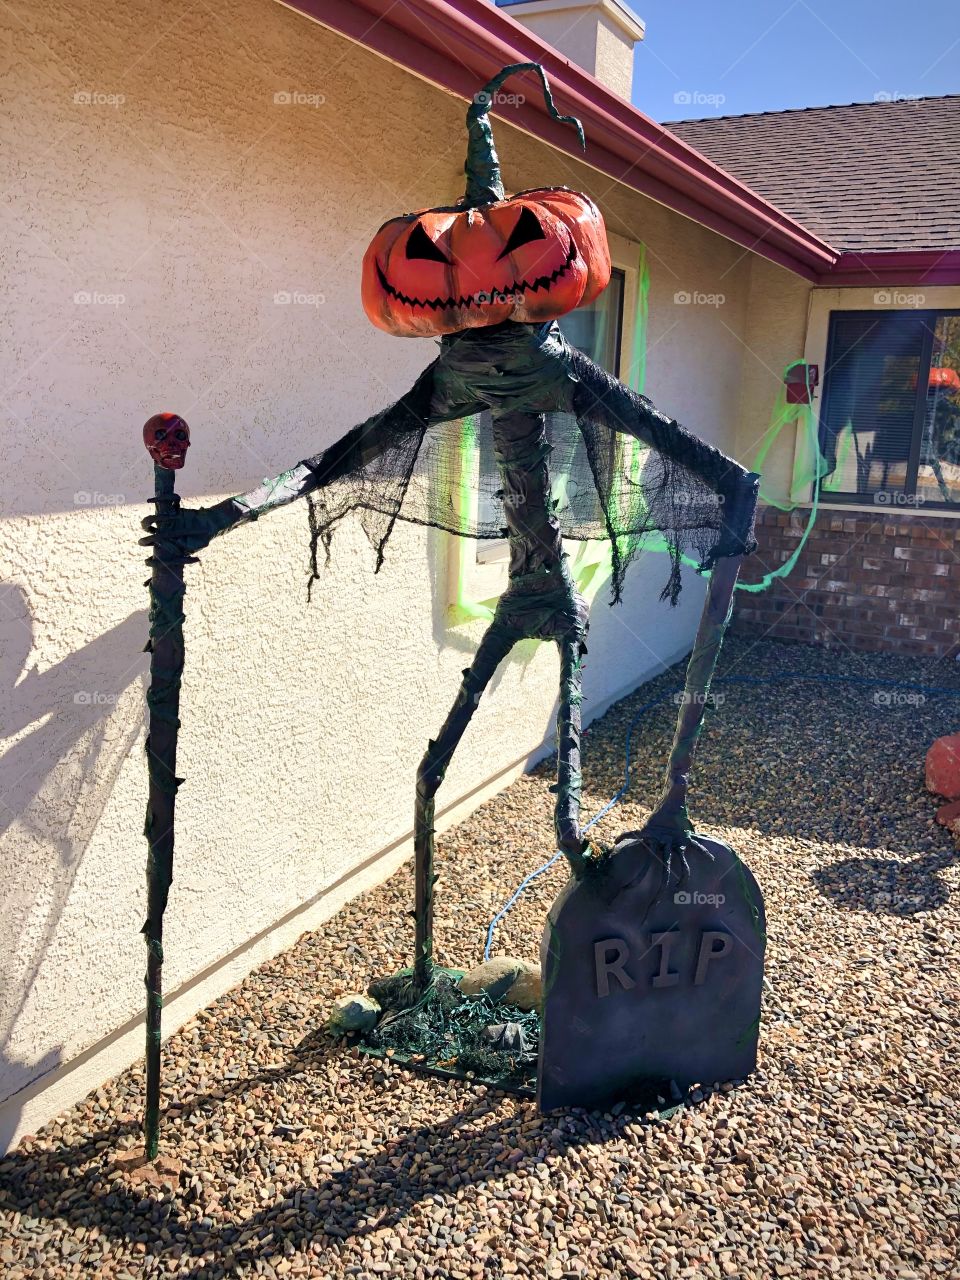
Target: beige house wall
[[774, 336], [157, 199]]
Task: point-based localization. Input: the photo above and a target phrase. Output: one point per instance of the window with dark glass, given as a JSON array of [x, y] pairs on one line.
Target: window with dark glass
[[597, 329], [890, 416]]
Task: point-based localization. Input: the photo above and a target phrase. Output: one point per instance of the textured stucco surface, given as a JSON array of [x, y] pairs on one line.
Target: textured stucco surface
[[773, 338], [198, 198]]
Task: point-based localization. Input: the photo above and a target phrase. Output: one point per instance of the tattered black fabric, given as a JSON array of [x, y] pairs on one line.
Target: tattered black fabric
[[428, 459]]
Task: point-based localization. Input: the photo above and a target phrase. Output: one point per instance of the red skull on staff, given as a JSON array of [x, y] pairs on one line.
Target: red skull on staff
[[167, 438]]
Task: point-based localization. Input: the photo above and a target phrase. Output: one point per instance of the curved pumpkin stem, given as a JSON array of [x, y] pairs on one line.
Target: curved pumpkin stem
[[484, 184]]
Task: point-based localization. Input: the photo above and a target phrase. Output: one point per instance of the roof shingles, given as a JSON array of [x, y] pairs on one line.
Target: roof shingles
[[868, 177]]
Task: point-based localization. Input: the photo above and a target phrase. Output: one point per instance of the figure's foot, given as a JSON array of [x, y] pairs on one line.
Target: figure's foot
[[589, 860], [667, 837], [405, 989]]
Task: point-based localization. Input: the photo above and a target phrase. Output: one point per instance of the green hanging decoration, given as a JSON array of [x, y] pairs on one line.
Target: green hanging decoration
[[808, 474]]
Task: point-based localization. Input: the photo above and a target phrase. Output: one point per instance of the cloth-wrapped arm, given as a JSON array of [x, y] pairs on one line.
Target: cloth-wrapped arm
[[595, 394], [194, 528]]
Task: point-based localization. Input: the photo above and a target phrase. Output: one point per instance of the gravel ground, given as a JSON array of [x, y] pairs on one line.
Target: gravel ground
[[840, 1156]]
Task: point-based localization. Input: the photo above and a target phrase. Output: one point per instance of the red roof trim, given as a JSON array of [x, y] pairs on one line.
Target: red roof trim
[[894, 267], [459, 44]]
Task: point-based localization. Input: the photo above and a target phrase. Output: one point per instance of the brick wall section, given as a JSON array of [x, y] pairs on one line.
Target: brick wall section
[[886, 582]]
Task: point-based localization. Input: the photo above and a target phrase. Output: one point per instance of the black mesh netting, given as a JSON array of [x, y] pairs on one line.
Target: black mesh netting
[[445, 1029], [430, 458]]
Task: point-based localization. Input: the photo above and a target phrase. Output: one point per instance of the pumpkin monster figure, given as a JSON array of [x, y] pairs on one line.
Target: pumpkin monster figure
[[530, 258], [489, 276]]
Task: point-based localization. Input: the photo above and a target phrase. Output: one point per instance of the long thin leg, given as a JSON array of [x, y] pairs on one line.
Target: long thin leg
[[671, 811], [567, 811], [497, 642]]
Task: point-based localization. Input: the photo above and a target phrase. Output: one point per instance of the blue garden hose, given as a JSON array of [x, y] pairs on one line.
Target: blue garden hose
[[824, 678]]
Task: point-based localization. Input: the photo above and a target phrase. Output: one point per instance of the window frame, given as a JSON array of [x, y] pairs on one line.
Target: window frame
[[852, 498], [621, 273]]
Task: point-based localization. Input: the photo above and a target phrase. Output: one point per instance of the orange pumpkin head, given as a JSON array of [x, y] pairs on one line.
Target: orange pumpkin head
[[530, 258]]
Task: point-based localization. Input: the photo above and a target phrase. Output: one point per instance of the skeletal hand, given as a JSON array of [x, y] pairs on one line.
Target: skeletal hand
[[191, 529]]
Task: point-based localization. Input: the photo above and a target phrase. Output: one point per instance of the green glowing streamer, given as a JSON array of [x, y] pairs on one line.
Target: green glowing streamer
[[592, 567], [845, 442], [809, 470], [464, 608]]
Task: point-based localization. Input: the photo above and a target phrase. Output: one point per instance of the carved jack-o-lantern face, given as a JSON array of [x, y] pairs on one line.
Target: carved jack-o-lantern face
[[530, 258], [167, 438]]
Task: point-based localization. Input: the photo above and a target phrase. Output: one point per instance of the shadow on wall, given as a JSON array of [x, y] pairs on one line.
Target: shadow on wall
[[65, 734]]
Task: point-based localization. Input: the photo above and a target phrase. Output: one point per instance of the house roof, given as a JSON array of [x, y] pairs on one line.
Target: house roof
[[460, 44], [871, 177]]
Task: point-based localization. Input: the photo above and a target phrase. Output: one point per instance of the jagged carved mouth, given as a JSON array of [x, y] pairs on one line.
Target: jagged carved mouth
[[493, 297]]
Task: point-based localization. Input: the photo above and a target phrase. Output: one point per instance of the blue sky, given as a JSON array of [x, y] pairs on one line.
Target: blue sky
[[766, 55]]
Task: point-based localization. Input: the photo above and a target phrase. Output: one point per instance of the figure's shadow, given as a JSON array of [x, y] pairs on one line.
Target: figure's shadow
[[884, 886], [66, 740], [75, 1184]]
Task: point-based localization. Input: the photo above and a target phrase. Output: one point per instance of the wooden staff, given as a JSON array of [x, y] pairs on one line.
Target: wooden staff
[[167, 438]]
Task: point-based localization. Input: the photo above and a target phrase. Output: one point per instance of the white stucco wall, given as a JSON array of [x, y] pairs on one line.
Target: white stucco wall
[[197, 199]]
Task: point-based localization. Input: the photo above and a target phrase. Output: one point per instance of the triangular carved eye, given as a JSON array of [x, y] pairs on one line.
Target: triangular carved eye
[[528, 228], [419, 245]]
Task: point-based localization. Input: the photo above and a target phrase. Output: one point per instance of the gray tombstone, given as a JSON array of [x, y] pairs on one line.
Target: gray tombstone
[[650, 977]]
